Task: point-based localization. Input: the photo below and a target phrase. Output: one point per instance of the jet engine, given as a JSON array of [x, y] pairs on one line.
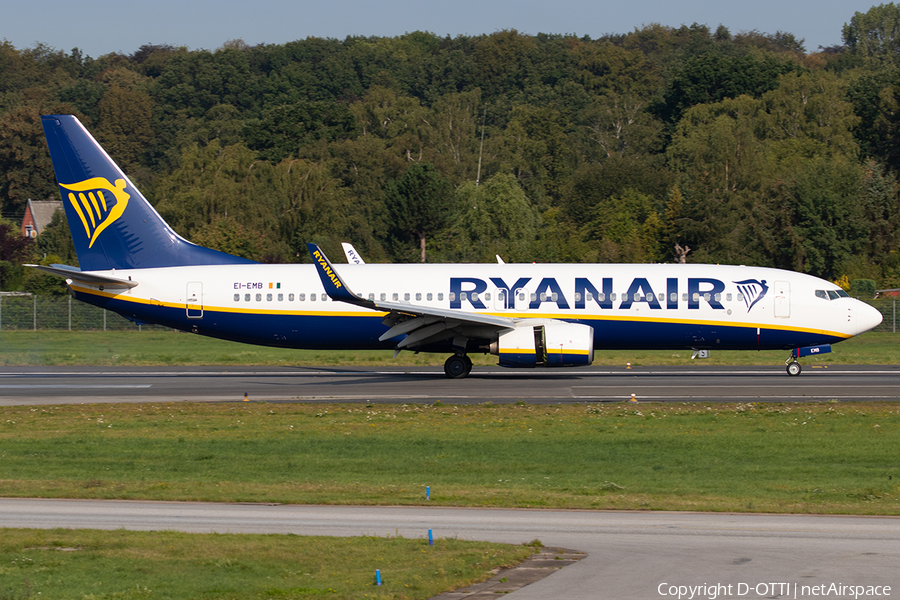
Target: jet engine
[[545, 343]]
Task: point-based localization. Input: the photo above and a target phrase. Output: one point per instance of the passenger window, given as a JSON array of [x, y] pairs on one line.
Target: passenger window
[[534, 297], [451, 296], [487, 297], [696, 297], [554, 297], [383, 296], [522, 296], [428, 296], [406, 297], [312, 297], [660, 297], [706, 296], [237, 297], [268, 297], [740, 297], [821, 294], [463, 296], [301, 297], [440, 296], [324, 297], [718, 297], [589, 296], [612, 297], [474, 297], [673, 297], [259, 297], [418, 296], [543, 297], [281, 297], [395, 296], [728, 297], [601, 297], [290, 297], [246, 297], [684, 297], [624, 297], [578, 297], [372, 297]]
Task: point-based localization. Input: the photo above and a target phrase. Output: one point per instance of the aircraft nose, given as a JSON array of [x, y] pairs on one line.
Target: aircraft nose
[[864, 317]]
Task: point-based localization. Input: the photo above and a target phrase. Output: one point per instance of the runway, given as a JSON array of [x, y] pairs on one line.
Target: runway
[[630, 554], [57, 385]]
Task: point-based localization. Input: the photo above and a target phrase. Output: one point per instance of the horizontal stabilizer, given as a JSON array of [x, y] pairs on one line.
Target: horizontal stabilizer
[[76, 275]]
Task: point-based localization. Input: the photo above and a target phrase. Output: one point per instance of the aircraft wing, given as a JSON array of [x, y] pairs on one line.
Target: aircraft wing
[[77, 275], [422, 324]]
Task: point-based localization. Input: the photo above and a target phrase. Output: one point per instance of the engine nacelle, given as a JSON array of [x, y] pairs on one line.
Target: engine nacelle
[[545, 343]]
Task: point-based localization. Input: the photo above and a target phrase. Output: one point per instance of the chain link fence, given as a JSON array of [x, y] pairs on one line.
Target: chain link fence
[[55, 312], [26, 311], [888, 308]]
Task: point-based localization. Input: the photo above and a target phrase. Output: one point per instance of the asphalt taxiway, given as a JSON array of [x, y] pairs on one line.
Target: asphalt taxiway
[[637, 555], [56, 385]]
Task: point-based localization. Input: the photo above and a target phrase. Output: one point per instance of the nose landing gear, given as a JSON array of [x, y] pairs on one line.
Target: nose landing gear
[[793, 367]]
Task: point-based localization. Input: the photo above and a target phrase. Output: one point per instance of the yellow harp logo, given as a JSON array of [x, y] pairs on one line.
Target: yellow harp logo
[[98, 203]]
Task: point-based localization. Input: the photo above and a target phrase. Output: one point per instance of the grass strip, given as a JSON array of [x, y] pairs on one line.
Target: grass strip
[[797, 458], [138, 348], [76, 564]]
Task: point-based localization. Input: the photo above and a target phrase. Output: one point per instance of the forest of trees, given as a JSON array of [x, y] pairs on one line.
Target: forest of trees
[[742, 147]]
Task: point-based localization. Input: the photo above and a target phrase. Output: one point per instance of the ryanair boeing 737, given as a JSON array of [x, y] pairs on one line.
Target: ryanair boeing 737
[[529, 315]]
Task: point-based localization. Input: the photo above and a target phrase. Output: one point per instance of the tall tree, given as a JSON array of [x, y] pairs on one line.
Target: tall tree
[[495, 218], [419, 203], [25, 167], [875, 34]]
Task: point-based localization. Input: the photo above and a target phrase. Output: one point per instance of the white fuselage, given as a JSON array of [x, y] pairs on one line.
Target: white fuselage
[[629, 306]]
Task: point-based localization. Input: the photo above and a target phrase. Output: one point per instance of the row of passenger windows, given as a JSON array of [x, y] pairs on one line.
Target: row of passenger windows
[[280, 297], [324, 297], [831, 294], [475, 297]]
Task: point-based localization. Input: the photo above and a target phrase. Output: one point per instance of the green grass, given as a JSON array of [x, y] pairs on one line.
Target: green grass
[[129, 565], [818, 458], [129, 348]]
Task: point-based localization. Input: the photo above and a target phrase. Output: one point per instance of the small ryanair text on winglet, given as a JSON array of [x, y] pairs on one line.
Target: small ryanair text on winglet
[[723, 591]]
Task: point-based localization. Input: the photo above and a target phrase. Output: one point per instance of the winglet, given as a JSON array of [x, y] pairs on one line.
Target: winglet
[[334, 285], [352, 255]]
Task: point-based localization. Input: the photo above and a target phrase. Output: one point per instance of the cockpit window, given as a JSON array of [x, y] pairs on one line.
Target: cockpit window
[[831, 294]]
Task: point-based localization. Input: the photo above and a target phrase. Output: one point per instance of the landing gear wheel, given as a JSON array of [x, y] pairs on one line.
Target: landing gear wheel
[[468, 364], [793, 369], [457, 366]]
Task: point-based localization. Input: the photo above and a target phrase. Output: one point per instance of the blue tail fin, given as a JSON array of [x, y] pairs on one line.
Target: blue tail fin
[[112, 224]]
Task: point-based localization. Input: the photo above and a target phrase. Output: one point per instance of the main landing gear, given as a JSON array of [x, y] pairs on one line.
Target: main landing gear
[[458, 366]]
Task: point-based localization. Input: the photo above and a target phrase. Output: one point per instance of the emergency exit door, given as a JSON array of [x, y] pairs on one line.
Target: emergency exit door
[[194, 300]]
